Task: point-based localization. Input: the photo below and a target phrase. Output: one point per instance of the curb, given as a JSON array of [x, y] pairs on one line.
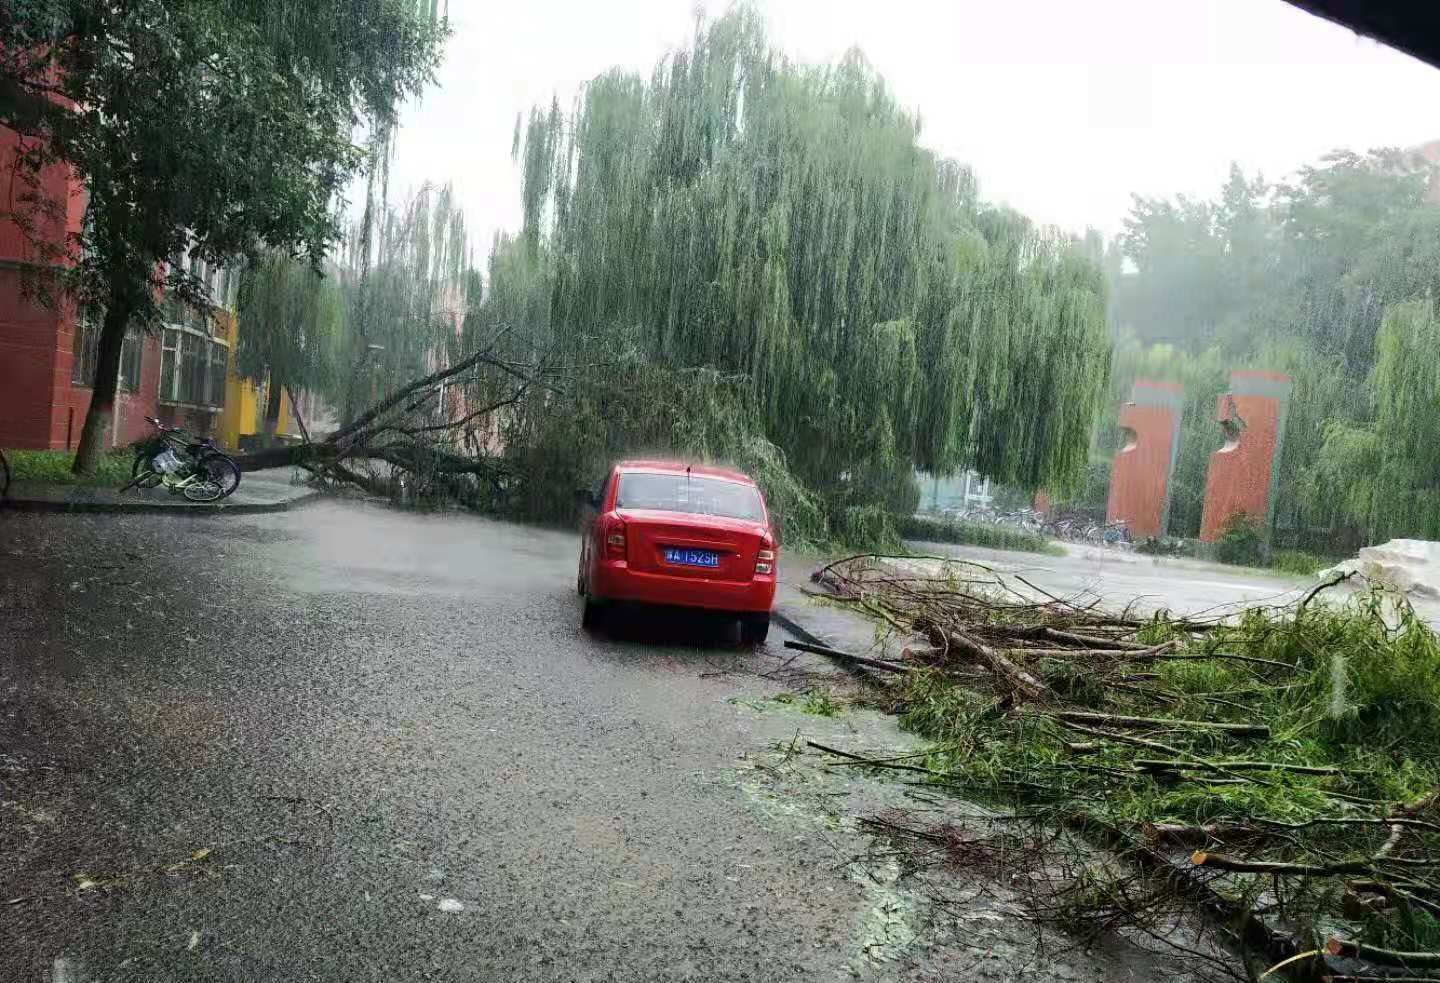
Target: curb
[[152, 508]]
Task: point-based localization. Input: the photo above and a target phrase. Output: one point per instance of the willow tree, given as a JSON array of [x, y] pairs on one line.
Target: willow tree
[[211, 126], [1384, 473], [407, 281], [783, 223], [291, 322]]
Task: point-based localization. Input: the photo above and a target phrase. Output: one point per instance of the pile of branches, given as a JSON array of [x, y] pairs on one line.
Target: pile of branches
[[1278, 766], [430, 443]]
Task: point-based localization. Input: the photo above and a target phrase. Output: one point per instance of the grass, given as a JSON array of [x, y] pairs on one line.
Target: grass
[[53, 468], [1294, 562], [977, 534], [1297, 562], [817, 702]]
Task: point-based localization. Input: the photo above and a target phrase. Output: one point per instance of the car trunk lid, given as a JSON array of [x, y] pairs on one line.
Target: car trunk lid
[[650, 533]]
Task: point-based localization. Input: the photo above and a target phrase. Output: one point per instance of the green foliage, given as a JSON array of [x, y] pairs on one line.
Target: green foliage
[[215, 127], [1009, 498], [212, 126], [1163, 546], [410, 292], [926, 530], [1298, 562], [814, 701], [1094, 494], [53, 468], [568, 439], [1386, 472], [865, 527], [291, 319], [1353, 687], [1241, 542], [1412, 930], [780, 225]]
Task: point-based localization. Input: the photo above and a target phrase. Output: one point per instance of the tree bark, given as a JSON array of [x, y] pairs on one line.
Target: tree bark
[[1149, 723], [272, 408], [837, 654], [295, 412], [1383, 957], [1031, 687], [102, 389]]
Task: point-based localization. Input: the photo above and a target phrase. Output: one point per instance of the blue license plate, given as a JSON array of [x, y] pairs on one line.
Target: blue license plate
[[692, 558]]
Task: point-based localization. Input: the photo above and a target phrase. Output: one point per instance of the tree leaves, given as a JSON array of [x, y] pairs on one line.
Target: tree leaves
[[779, 221]]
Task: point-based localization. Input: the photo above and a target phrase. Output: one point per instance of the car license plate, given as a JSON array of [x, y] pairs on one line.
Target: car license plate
[[692, 558]]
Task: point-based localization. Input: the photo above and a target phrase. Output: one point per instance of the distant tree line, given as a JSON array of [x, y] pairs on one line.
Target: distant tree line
[[1329, 276]]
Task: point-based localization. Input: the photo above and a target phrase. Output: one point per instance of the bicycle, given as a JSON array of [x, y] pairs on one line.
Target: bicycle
[[195, 468]]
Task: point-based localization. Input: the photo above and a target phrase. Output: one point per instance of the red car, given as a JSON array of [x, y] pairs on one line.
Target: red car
[[666, 533]]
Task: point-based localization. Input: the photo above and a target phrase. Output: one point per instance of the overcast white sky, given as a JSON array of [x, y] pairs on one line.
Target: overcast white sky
[[1063, 107]]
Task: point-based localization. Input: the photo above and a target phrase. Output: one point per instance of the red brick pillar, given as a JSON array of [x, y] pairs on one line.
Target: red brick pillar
[[1140, 472], [1243, 472]]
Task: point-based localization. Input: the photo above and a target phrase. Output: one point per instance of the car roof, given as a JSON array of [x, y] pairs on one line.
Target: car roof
[[680, 467]]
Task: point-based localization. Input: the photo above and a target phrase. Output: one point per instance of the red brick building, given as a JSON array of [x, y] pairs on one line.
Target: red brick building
[[47, 360]]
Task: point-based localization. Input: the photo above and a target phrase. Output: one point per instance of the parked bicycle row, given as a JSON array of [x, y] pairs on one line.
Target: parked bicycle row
[[1074, 527], [184, 464]]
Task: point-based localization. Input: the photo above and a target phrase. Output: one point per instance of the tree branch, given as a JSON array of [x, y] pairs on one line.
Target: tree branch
[[395, 399]]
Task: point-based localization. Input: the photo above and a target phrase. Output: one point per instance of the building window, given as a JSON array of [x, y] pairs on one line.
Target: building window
[[87, 354], [192, 368], [219, 362], [169, 352]]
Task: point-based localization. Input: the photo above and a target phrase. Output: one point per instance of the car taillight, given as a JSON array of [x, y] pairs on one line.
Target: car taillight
[[765, 561], [615, 539]]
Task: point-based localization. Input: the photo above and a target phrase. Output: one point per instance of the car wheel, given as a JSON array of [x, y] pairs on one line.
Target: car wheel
[[590, 615], [754, 631]]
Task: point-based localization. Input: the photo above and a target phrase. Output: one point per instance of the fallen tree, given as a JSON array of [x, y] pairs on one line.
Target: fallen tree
[[1328, 823], [414, 432]]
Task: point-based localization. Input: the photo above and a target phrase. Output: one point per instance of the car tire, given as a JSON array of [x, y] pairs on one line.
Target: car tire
[[590, 615], [754, 630]]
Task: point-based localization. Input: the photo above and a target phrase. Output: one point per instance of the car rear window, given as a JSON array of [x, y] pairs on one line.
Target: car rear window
[[686, 493]]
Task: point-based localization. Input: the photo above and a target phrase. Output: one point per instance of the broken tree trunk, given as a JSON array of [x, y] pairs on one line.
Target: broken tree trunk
[[1021, 681], [1092, 641], [1152, 723], [1157, 764], [881, 664], [1382, 957], [354, 439]]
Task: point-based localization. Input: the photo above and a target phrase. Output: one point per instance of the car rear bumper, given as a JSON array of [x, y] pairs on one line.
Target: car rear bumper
[[615, 581]]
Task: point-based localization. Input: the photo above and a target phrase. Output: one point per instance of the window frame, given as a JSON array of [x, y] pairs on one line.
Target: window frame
[[85, 353], [181, 347]]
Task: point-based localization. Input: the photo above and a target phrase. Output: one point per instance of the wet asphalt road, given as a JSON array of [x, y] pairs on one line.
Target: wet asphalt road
[[350, 744], [347, 744]]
